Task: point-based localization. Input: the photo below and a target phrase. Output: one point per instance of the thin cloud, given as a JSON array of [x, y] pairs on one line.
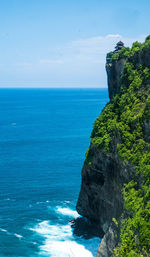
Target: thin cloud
[[51, 61], [95, 49], [80, 62], [88, 50], [113, 36], [101, 44]]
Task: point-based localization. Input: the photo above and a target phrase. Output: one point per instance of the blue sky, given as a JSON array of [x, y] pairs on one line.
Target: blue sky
[[63, 43]]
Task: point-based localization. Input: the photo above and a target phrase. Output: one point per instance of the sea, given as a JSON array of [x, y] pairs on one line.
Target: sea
[[44, 134]]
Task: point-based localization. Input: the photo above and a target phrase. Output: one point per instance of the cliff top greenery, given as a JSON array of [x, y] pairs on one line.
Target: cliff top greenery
[[127, 52], [124, 125]]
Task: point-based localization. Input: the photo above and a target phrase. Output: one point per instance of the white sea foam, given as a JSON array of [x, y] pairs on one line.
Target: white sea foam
[[67, 201], [11, 234], [34, 243], [3, 230], [59, 241], [53, 231], [67, 212], [47, 201], [18, 236], [65, 249]]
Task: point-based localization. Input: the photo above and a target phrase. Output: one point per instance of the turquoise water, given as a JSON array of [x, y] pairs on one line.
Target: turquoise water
[[44, 134]]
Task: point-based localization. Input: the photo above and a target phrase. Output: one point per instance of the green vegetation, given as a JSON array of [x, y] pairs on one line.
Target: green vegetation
[[88, 156], [127, 52], [122, 123]]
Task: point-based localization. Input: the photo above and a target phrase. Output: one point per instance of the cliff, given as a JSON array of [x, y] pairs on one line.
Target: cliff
[[114, 70], [115, 190]]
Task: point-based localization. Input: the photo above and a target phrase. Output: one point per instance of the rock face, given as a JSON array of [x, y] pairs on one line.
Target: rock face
[[100, 197], [114, 70], [109, 242], [142, 58]]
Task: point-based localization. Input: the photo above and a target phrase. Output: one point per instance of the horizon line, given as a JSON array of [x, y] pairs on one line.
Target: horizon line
[[53, 87]]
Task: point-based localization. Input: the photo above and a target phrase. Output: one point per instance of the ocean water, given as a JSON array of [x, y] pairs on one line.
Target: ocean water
[[44, 134]]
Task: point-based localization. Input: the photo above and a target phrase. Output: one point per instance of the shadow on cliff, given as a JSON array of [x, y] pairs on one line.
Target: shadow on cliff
[[85, 228]]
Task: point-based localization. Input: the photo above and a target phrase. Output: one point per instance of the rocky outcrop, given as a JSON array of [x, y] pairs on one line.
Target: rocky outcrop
[[100, 197], [141, 58], [114, 71], [109, 241], [146, 128]]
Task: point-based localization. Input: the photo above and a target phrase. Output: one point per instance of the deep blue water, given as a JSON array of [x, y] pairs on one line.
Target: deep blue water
[[44, 134]]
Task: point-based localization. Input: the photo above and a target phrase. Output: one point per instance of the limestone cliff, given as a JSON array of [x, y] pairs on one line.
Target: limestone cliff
[[119, 140], [114, 70]]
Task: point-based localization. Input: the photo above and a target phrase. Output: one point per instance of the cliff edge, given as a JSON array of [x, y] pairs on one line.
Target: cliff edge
[[115, 190]]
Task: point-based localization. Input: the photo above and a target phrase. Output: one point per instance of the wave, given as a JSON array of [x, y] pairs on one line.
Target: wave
[[18, 236], [11, 234], [59, 241], [66, 201], [67, 212], [65, 249], [47, 201], [53, 231], [3, 230]]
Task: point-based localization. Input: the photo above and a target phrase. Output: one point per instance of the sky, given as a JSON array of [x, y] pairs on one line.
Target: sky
[[62, 43]]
